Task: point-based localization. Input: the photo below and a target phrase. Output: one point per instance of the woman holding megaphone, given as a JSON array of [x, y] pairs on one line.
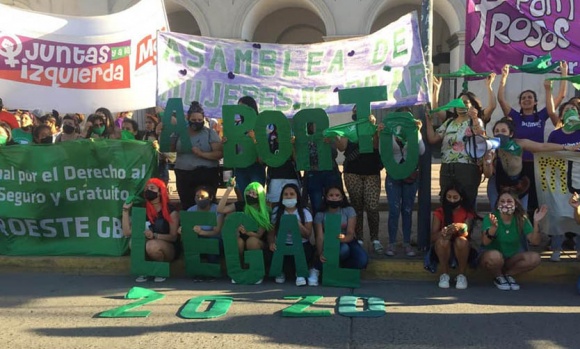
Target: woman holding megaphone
[[504, 166]]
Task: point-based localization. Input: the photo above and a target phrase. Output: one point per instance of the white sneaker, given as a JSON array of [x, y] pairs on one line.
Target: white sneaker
[[555, 257], [360, 242], [142, 278], [280, 279], [461, 282], [159, 279], [514, 286], [378, 247], [444, 281], [258, 282], [409, 251], [390, 251], [313, 277], [501, 283], [300, 281]]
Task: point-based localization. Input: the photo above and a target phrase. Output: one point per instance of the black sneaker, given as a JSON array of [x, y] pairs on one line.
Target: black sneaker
[[501, 283]]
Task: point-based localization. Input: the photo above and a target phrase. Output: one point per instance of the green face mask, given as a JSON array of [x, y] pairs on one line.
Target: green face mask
[[99, 130], [3, 139], [571, 121], [127, 135]]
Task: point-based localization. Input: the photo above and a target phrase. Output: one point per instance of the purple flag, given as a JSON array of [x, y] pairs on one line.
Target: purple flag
[[500, 32]]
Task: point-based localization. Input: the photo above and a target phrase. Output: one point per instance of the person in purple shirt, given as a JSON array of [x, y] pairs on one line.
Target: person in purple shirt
[[530, 122], [568, 135]]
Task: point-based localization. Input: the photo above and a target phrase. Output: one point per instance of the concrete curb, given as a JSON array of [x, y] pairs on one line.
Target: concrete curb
[[378, 269]]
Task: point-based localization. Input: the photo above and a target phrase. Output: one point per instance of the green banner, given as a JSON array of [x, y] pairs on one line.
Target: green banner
[[67, 198]]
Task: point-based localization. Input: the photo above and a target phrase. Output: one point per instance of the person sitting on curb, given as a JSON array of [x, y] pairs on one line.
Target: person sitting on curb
[[161, 226], [253, 205], [506, 232], [449, 235]]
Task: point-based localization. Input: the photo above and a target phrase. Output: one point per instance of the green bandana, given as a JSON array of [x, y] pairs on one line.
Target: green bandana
[[571, 121], [456, 103], [3, 139], [538, 66], [126, 135]]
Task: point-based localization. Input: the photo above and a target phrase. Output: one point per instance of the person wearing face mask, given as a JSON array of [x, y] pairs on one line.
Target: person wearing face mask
[[450, 229], [204, 202], [199, 165], [506, 233], [352, 254], [505, 166], [161, 227], [290, 202], [96, 127], [254, 205], [41, 134], [5, 134], [69, 129]]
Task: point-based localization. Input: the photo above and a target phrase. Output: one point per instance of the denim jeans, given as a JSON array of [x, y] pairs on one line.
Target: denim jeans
[[247, 175], [352, 255], [492, 194], [401, 198], [316, 184]]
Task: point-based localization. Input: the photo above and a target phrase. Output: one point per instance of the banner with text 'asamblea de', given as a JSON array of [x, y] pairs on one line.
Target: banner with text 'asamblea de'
[[288, 78], [67, 198]]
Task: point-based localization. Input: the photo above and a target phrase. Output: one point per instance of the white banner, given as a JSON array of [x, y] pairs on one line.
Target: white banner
[[78, 64], [557, 177], [288, 78]]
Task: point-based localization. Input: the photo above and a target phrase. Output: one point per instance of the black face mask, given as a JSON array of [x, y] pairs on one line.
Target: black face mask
[[250, 200], [68, 129], [151, 195], [197, 126], [203, 203], [333, 204], [46, 140], [451, 205]]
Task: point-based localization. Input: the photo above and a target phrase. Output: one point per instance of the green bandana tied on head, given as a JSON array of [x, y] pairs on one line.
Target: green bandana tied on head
[[571, 121]]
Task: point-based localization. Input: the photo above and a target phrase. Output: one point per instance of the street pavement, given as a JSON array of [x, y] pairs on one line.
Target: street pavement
[[59, 311]]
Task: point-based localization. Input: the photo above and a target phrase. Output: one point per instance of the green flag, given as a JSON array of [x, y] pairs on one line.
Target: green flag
[[456, 103], [349, 130], [575, 80], [539, 66], [464, 72]]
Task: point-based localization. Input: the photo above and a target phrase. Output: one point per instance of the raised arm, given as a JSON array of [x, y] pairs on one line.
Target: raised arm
[[550, 103], [223, 206], [491, 100], [563, 85], [437, 82], [432, 136], [503, 103], [126, 219]]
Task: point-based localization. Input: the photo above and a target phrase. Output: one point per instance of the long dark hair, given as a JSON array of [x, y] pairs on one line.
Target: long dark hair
[[520, 213], [448, 210], [195, 107], [110, 125], [280, 208], [344, 203]]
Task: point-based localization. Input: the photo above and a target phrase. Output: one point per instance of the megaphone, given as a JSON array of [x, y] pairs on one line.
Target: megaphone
[[476, 146]]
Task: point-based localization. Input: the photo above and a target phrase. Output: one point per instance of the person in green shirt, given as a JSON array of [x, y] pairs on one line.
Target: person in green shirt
[[506, 232]]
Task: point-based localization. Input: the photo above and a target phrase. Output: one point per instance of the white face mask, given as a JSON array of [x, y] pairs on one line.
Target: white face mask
[[289, 203], [507, 208]]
